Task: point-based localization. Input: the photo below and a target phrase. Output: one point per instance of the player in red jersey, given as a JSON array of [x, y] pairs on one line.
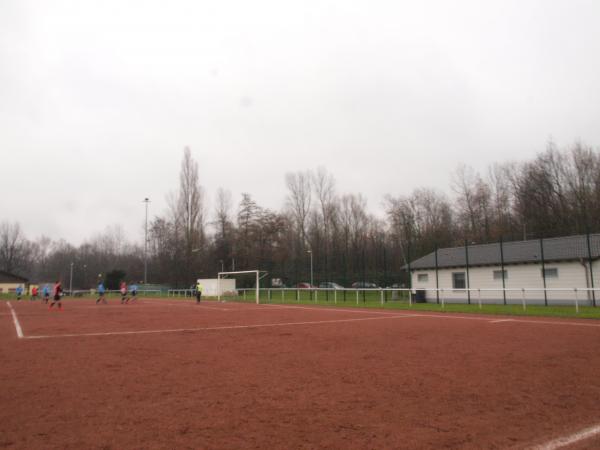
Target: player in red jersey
[[56, 293]]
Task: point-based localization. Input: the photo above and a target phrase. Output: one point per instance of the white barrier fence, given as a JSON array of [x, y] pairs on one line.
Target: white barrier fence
[[181, 292], [523, 296], [82, 292]]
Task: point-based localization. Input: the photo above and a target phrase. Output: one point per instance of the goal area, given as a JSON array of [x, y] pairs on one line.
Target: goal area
[[241, 285]]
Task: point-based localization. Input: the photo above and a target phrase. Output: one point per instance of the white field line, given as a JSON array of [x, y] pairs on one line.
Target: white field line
[[571, 439], [228, 327], [425, 314], [487, 319], [130, 305], [336, 309], [99, 306], [16, 321], [190, 304], [548, 322]]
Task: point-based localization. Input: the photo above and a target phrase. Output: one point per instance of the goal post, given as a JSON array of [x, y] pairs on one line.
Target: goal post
[[258, 275]]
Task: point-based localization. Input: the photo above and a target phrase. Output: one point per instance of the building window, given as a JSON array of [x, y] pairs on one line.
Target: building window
[[422, 277], [498, 274], [550, 273], [459, 280]]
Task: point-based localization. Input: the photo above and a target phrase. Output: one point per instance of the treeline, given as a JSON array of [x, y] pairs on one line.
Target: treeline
[[46, 260], [557, 193]]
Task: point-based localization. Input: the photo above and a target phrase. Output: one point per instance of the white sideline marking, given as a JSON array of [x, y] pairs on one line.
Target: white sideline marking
[[571, 439], [229, 327], [337, 309], [98, 306], [441, 316], [16, 321], [190, 304], [548, 322], [543, 322]]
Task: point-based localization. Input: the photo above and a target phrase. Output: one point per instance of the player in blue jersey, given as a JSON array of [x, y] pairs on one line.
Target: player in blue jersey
[[133, 291], [101, 294], [46, 292]]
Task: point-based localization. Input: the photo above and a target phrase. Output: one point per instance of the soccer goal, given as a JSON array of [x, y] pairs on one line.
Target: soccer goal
[[242, 285]]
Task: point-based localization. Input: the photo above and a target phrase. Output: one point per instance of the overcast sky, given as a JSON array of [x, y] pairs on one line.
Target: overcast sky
[[98, 99]]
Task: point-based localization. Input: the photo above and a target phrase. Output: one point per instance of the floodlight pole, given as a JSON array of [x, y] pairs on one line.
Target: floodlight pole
[[311, 267], [71, 281], [146, 201]]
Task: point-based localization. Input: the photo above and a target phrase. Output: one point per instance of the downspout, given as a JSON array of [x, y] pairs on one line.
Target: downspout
[[502, 269], [587, 278], [468, 282], [409, 271], [590, 261], [544, 271], [437, 280]]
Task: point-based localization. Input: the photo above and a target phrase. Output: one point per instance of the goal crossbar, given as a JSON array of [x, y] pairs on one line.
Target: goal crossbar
[[240, 272]]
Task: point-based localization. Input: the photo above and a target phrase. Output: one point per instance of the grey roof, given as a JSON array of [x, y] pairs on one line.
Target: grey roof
[[567, 248], [7, 277]]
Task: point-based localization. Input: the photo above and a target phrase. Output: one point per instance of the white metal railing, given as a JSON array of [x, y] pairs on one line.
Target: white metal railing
[[81, 292], [181, 293], [139, 291], [578, 296]]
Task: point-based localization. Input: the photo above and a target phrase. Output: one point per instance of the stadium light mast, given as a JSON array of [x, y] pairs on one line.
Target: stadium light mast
[[311, 267], [71, 281], [146, 201]]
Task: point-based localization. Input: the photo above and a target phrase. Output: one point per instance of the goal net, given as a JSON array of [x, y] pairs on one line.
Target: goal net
[[243, 285]]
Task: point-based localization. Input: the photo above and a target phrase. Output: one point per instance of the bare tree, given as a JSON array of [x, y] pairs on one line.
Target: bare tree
[[190, 206], [224, 236], [15, 249], [247, 218], [582, 177], [473, 203], [541, 198], [324, 186], [191, 199], [299, 200], [223, 211], [502, 198], [323, 218]]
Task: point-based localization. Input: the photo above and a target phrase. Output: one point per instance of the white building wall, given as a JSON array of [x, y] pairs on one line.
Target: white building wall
[[6, 288], [596, 270], [529, 276], [209, 286]]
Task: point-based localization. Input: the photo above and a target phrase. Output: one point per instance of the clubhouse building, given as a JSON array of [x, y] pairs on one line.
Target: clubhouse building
[[542, 271]]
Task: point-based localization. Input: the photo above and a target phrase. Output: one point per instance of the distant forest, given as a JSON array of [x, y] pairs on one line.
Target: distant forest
[[555, 194]]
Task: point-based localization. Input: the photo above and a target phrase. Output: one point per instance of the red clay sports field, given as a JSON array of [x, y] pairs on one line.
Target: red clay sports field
[[172, 374]]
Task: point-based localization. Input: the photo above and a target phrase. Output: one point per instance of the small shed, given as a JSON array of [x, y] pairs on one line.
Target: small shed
[[10, 281], [544, 270], [211, 286]]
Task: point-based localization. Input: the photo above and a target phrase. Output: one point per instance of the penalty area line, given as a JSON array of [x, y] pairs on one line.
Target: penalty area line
[[16, 321], [336, 309], [564, 441], [187, 304], [228, 327]]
